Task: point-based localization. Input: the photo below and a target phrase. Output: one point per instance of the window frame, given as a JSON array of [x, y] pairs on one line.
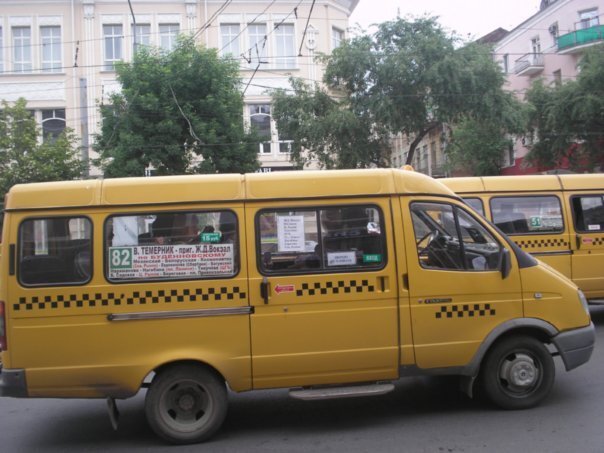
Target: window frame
[[19, 258], [22, 65], [529, 233], [140, 36], [168, 36], [482, 211], [337, 36], [113, 39], [284, 42], [105, 247], [229, 39], [324, 269], [476, 217], [574, 212], [55, 63], [50, 136]]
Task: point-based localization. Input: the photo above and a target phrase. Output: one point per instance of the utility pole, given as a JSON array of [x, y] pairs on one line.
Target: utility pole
[[84, 126]]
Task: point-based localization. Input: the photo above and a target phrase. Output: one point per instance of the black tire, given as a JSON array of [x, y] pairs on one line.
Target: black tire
[[186, 404], [518, 373]]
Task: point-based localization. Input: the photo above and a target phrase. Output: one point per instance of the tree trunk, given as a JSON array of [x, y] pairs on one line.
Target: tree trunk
[[418, 138]]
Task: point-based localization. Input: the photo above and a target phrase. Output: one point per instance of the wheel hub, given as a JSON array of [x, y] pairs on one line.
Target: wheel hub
[[186, 402], [520, 371]]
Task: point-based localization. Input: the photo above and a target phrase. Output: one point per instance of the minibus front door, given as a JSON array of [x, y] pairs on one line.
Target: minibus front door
[[458, 292]]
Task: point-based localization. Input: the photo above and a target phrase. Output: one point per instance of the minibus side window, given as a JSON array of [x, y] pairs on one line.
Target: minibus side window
[[527, 215], [476, 204], [588, 212], [321, 239], [55, 251], [450, 238], [171, 246]]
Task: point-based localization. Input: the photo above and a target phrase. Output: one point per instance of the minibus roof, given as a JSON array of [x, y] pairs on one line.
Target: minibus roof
[[226, 187], [525, 183]]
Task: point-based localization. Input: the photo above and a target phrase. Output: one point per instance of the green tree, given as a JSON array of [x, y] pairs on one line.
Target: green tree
[[327, 129], [24, 158], [412, 76], [173, 108], [568, 120]]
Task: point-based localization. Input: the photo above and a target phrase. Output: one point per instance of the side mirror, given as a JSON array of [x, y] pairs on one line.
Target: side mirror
[[506, 263]]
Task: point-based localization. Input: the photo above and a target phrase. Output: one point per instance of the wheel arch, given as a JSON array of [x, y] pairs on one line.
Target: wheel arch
[[175, 362], [532, 327]]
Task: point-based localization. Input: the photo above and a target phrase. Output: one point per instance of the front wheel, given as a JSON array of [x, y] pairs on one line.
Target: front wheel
[[518, 373], [186, 404]]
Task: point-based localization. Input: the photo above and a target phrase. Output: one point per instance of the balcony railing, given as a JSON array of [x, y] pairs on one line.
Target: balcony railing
[[580, 38], [529, 64]]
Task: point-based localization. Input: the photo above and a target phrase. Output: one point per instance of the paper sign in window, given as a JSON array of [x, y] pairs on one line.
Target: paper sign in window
[[341, 259], [290, 233]]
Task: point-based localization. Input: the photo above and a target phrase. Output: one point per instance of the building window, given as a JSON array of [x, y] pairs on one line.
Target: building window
[[558, 77], [229, 35], [536, 45], [168, 34], [285, 47], [260, 122], [51, 49], [588, 18], [554, 31], [113, 38], [257, 40], [1, 50], [337, 36], [142, 36], [22, 49], [53, 124]]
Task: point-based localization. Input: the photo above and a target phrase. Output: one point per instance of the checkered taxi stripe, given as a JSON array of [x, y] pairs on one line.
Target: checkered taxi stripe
[[542, 243], [465, 311], [137, 298], [339, 287], [598, 241]]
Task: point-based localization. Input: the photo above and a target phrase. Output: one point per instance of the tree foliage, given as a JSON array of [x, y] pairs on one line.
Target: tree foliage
[[326, 129], [408, 77], [24, 158], [568, 120], [175, 108]]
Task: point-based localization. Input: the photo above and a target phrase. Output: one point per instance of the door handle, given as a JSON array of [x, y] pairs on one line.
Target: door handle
[[264, 289]]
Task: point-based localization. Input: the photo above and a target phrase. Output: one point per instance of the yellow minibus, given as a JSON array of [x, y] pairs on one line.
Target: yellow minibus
[[557, 218], [328, 283]]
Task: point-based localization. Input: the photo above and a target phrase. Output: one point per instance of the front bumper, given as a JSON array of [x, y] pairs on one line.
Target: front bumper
[[12, 383], [575, 346]]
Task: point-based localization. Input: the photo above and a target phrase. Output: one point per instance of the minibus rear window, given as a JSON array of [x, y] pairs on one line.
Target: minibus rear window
[[588, 212], [527, 215], [171, 246], [330, 239], [55, 251]]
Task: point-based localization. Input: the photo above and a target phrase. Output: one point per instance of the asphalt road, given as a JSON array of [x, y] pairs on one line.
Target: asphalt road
[[421, 415]]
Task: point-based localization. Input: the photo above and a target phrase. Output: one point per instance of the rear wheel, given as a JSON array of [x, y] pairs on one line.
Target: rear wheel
[[186, 404], [518, 373]]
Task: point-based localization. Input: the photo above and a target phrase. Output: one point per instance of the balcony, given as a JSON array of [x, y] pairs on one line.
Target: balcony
[[529, 64], [577, 40]]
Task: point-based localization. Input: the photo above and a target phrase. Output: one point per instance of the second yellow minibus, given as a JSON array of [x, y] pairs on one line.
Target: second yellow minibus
[[556, 218], [328, 283]]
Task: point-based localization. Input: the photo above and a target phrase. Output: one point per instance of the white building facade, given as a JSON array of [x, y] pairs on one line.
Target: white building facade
[[60, 54]]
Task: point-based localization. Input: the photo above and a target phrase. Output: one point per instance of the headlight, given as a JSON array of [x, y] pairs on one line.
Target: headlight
[[583, 300]]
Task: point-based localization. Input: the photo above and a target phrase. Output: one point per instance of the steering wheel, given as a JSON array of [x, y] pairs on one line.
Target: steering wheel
[[432, 236]]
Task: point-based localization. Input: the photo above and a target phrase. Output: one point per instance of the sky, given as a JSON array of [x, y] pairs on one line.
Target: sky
[[469, 18]]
